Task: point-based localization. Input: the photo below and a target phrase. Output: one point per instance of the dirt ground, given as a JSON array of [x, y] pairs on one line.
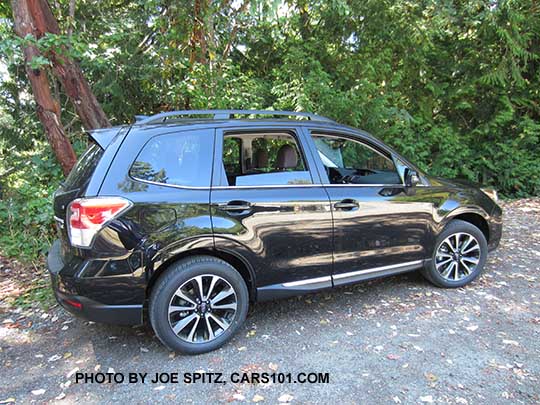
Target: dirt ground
[[395, 340]]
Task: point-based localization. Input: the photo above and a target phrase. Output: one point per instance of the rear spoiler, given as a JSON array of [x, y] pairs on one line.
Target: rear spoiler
[[103, 136]]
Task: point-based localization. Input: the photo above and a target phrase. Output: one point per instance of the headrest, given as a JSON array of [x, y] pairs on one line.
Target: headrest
[[286, 157], [260, 159]]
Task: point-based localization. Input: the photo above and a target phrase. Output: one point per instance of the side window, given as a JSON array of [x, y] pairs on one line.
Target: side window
[[232, 152], [352, 162], [183, 159], [81, 172], [263, 159]]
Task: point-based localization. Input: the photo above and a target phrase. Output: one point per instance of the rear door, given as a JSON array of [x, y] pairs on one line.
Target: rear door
[[269, 206], [380, 226]]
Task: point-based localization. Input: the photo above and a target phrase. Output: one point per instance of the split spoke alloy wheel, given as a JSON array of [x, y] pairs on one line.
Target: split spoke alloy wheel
[[457, 256], [202, 308]]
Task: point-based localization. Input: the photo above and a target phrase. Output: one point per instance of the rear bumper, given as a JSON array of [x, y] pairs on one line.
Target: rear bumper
[[94, 311], [82, 306]]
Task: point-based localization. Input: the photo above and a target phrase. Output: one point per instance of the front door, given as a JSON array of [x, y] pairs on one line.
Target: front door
[[380, 226], [269, 206]]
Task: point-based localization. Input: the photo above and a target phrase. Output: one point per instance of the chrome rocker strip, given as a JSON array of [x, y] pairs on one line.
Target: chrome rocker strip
[[300, 283], [357, 275], [293, 288], [365, 274]]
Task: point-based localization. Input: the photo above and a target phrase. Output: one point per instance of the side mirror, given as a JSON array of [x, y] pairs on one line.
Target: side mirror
[[411, 178]]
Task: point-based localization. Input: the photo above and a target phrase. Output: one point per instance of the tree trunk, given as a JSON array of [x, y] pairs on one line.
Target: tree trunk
[[198, 34], [48, 109], [234, 30], [71, 17], [68, 71]]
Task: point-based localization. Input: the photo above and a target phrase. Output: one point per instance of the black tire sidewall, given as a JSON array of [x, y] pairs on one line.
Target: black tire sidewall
[[456, 226], [173, 278]]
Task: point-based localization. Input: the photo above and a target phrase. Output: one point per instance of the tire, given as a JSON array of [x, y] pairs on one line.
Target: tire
[[181, 280], [436, 270]]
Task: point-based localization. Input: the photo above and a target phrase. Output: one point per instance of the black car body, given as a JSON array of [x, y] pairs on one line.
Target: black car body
[[297, 221]]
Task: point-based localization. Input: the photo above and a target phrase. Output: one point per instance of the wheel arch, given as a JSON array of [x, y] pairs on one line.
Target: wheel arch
[[474, 217], [236, 261]]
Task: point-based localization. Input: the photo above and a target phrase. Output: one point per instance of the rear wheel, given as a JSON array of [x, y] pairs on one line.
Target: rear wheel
[[459, 256], [198, 304]]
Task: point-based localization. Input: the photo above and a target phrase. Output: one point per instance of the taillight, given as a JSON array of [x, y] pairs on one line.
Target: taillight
[[87, 216], [73, 303]]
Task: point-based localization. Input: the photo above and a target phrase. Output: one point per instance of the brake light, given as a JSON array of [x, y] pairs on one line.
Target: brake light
[[87, 216]]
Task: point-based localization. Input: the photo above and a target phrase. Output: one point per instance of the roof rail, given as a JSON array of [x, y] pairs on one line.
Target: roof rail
[[139, 118], [227, 114]]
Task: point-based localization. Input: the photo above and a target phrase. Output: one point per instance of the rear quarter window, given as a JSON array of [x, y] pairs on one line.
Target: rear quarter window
[[82, 171], [182, 159]]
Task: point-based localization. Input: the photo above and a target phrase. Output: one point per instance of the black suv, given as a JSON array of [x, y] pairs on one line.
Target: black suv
[[186, 217]]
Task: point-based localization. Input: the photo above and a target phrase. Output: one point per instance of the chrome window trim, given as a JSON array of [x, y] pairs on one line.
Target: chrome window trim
[[301, 150], [309, 185], [268, 186], [365, 185], [156, 183]]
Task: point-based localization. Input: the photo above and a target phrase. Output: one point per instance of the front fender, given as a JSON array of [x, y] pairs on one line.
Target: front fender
[[444, 217], [454, 202]]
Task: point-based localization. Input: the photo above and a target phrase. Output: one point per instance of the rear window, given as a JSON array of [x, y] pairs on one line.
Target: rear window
[[83, 169], [183, 159]]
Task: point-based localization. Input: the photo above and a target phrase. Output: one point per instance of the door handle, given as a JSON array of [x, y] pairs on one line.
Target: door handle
[[346, 204], [235, 206]]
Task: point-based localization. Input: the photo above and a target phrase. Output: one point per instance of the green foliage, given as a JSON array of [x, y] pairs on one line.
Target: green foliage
[[453, 85], [26, 226], [39, 295]]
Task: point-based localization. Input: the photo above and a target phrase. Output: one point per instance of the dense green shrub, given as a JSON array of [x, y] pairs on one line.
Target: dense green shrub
[[26, 225], [26, 214]]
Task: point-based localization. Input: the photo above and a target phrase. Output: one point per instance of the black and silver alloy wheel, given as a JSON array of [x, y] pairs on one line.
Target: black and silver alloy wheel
[[198, 304], [202, 308], [457, 256]]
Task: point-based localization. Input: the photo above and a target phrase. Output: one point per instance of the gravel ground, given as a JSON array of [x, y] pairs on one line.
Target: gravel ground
[[395, 340]]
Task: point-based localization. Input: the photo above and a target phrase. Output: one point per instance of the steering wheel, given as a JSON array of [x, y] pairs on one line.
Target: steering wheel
[[365, 172], [350, 179]]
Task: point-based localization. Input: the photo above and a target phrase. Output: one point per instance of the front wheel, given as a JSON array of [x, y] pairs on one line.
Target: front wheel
[[198, 304], [459, 256]]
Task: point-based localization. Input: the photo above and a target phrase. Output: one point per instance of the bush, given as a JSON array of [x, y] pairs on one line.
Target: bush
[[26, 216]]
